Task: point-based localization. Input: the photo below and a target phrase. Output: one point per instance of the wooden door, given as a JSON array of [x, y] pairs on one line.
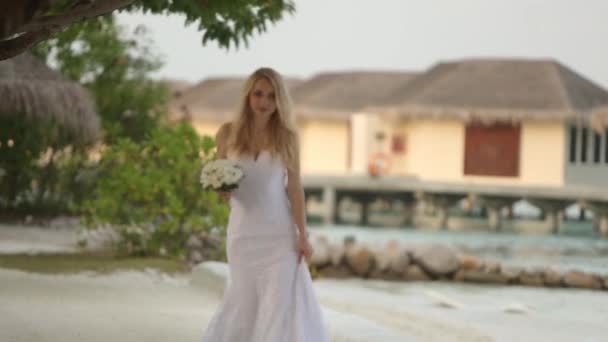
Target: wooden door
[[492, 150]]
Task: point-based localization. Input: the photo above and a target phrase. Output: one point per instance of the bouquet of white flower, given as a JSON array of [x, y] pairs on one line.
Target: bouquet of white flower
[[221, 175]]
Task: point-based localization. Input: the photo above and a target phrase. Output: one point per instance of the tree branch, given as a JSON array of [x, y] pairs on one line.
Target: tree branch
[[44, 27], [15, 46], [83, 11]]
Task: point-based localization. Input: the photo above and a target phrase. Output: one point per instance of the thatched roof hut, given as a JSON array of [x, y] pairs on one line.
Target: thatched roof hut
[[490, 90], [338, 94], [28, 87]]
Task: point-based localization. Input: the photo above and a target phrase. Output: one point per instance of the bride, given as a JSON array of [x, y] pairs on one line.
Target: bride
[[270, 296]]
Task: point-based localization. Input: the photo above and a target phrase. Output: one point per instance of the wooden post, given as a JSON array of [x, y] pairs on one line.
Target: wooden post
[[495, 218], [603, 224], [329, 205]]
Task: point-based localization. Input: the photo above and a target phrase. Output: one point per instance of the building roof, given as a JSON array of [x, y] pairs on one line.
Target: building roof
[[331, 96], [29, 88], [339, 94], [496, 90]]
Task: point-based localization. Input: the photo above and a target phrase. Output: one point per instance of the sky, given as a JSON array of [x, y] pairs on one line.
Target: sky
[[405, 35]]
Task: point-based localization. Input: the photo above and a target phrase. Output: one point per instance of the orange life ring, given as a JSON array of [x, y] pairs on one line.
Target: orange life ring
[[379, 164]]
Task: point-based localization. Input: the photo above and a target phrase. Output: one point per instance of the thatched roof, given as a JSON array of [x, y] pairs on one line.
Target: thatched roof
[[339, 94], [28, 87], [212, 99], [496, 90], [176, 87], [332, 96]]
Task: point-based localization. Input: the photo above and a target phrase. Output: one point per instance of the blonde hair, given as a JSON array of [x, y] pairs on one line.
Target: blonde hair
[[283, 137]]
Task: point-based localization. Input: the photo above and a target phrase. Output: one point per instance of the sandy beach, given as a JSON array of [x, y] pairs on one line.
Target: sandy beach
[[152, 306]]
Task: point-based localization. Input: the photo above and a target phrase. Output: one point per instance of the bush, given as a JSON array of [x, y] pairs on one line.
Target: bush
[[150, 192]]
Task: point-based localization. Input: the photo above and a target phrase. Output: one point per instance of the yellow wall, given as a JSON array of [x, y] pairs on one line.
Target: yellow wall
[[435, 151], [542, 153], [324, 146]]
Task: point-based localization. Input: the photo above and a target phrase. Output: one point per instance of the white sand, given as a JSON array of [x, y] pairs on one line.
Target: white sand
[[150, 307]]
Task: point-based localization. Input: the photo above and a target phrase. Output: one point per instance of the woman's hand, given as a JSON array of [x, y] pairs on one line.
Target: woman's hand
[[304, 248]]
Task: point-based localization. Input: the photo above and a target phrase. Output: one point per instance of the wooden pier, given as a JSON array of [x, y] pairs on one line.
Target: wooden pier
[[443, 195]]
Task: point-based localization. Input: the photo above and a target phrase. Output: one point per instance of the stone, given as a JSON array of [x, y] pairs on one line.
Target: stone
[[491, 266], [415, 272], [459, 275], [194, 242], [511, 272], [552, 277], [437, 260], [393, 258], [469, 262], [482, 276], [581, 279], [532, 278], [195, 257], [360, 259]]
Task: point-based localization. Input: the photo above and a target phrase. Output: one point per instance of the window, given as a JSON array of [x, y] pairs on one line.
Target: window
[[584, 134], [597, 148], [573, 136]]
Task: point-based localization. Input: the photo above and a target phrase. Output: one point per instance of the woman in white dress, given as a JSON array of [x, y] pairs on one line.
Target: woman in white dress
[[269, 297]]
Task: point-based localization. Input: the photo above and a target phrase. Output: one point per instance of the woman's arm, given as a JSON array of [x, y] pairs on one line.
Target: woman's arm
[[221, 139], [295, 193]]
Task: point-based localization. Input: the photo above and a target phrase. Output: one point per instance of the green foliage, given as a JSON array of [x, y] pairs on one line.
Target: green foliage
[[151, 191], [227, 22], [30, 160], [45, 173], [115, 67]]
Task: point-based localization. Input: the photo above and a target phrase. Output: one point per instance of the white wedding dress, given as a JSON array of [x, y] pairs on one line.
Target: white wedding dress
[[269, 296]]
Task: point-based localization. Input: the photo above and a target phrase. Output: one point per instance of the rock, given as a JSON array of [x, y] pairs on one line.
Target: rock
[[194, 242], [336, 254], [491, 266], [581, 279], [393, 258], [360, 259], [482, 276], [605, 283], [459, 275], [552, 277], [321, 255], [469, 262], [415, 272], [195, 257], [511, 272], [437, 260], [532, 278]]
